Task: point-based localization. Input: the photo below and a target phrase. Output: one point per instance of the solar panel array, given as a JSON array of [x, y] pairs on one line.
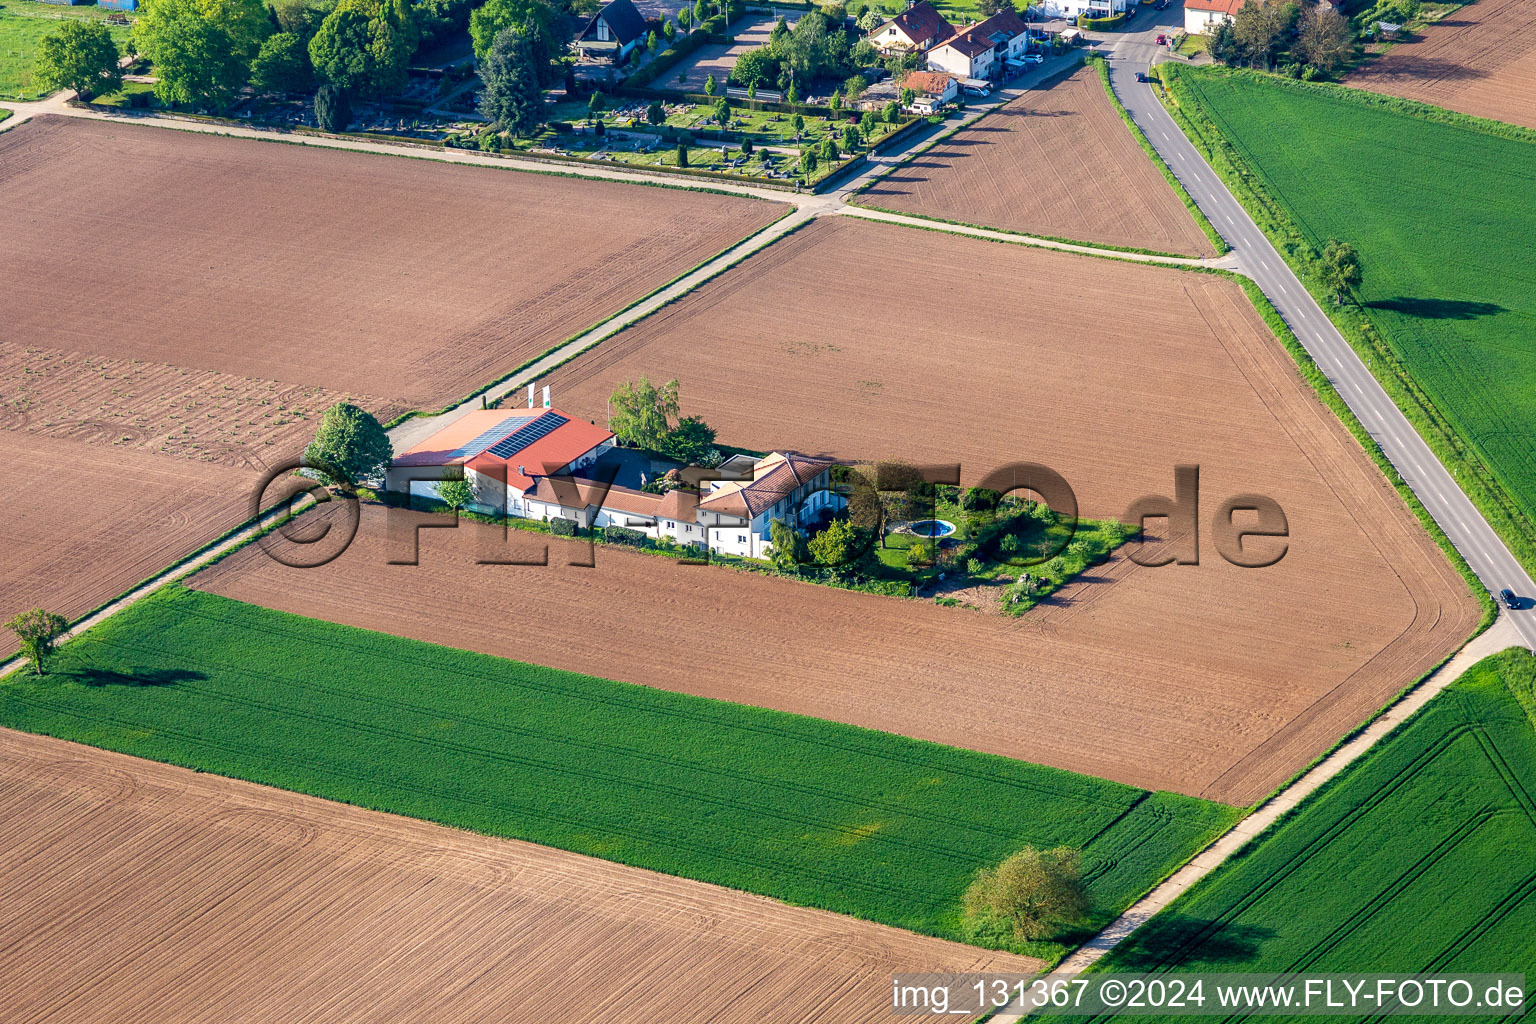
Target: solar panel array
[[524, 436], [483, 440]]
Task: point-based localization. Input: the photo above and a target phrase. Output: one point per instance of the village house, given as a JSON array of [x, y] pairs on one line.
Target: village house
[[990, 50], [1202, 16], [738, 514], [1072, 9], [931, 90], [613, 32], [916, 28]]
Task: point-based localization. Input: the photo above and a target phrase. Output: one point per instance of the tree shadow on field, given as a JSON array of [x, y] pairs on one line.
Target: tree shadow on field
[[1438, 309], [1170, 940], [97, 676]]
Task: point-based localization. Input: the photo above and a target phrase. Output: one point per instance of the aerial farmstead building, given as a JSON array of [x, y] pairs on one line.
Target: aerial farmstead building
[[545, 464], [916, 28]]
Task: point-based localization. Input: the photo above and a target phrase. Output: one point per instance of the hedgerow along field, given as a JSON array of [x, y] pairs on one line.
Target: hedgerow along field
[[1439, 207], [811, 812], [1415, 859]]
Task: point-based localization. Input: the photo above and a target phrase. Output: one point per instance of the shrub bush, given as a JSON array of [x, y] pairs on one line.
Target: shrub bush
[[562, 527], [1099, 24], [624, 535]]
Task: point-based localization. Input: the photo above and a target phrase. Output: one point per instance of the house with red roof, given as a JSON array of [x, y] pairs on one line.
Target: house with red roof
[[502, 453], [916, 28], [1202, 16], [983, 50], [546, 464]]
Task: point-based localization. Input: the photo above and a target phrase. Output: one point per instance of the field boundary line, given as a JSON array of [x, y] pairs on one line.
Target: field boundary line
[[204, 556], [1036, 241], [1502, 635]]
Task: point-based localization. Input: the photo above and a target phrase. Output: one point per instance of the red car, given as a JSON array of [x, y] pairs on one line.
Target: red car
[[1162, 40]]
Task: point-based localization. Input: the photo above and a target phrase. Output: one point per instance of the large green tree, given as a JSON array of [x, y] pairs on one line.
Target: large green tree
[[350, 442], [37, 631], [540, 22], [1324, 39], [1263, 27], [282, 65], [512, 98], [201, 49], [80, 56], [365, 46], [1034, 892], [643, 414]]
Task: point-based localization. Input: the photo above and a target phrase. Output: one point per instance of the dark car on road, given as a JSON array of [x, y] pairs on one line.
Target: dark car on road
[[1141, 76], [1508, 597], [1160, 5]]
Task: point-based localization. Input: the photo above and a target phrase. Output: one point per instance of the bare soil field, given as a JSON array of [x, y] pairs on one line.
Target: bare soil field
[[407, 279], [1479, 60], [83, 521], [156, 407], [1209, 680], [1057, 162], [143, 891]]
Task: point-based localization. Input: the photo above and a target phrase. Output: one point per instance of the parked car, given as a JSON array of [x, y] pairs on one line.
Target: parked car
[[1033, 58], [1508, 597], [1160, 5], [1162, 40]]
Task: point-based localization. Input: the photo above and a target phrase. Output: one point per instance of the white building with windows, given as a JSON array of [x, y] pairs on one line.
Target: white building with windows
[[984, 50], [1092, 8], [544, 464]]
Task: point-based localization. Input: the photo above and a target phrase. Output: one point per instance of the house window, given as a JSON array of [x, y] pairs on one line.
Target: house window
[[741, 538], [688, 528]]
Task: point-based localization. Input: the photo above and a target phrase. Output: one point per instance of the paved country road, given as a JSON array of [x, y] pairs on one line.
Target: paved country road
[[1494, 564]]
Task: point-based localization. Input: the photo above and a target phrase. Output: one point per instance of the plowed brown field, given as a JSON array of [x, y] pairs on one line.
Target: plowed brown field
[[408, 279], [141, 891], [1480, 60], [84, 522], [1058, 163], [1210, 680]]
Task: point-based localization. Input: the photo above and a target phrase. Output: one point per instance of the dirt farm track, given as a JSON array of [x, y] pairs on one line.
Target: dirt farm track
[[1056, 162], [1479, 59], [411, 280], [1209, 680], [145, 892]]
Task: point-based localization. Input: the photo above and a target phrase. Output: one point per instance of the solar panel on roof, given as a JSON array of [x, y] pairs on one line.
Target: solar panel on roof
[[524, 436], [483, 440]]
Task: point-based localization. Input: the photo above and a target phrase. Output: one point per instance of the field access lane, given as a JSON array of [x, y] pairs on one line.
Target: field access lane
[[1435, 487]]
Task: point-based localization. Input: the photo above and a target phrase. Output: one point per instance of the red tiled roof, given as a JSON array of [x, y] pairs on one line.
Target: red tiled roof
[[548, 455], [578, 493], [752, 499], [931, 82], [678, 504], [921, 22], [980, 37], [1214, 6]]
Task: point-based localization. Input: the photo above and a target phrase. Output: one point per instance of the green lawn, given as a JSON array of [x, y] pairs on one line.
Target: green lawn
[[1440, 208], [812, 812], [1416, 859], [4, 114], [23, 25]]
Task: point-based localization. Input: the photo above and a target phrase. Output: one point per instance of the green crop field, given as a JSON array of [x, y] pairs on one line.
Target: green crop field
[[1441, 210], [23, 26], [1415, 859], [812, 812]]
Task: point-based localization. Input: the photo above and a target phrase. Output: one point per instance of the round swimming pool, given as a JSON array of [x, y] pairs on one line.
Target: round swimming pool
[[932, 528]]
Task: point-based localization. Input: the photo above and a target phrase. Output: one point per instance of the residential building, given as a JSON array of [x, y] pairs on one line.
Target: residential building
[[984, 50], [1072, 9], [737, 515], [931, 90], [1202, 16], [916, 28], [613, 32], [545, 464]]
